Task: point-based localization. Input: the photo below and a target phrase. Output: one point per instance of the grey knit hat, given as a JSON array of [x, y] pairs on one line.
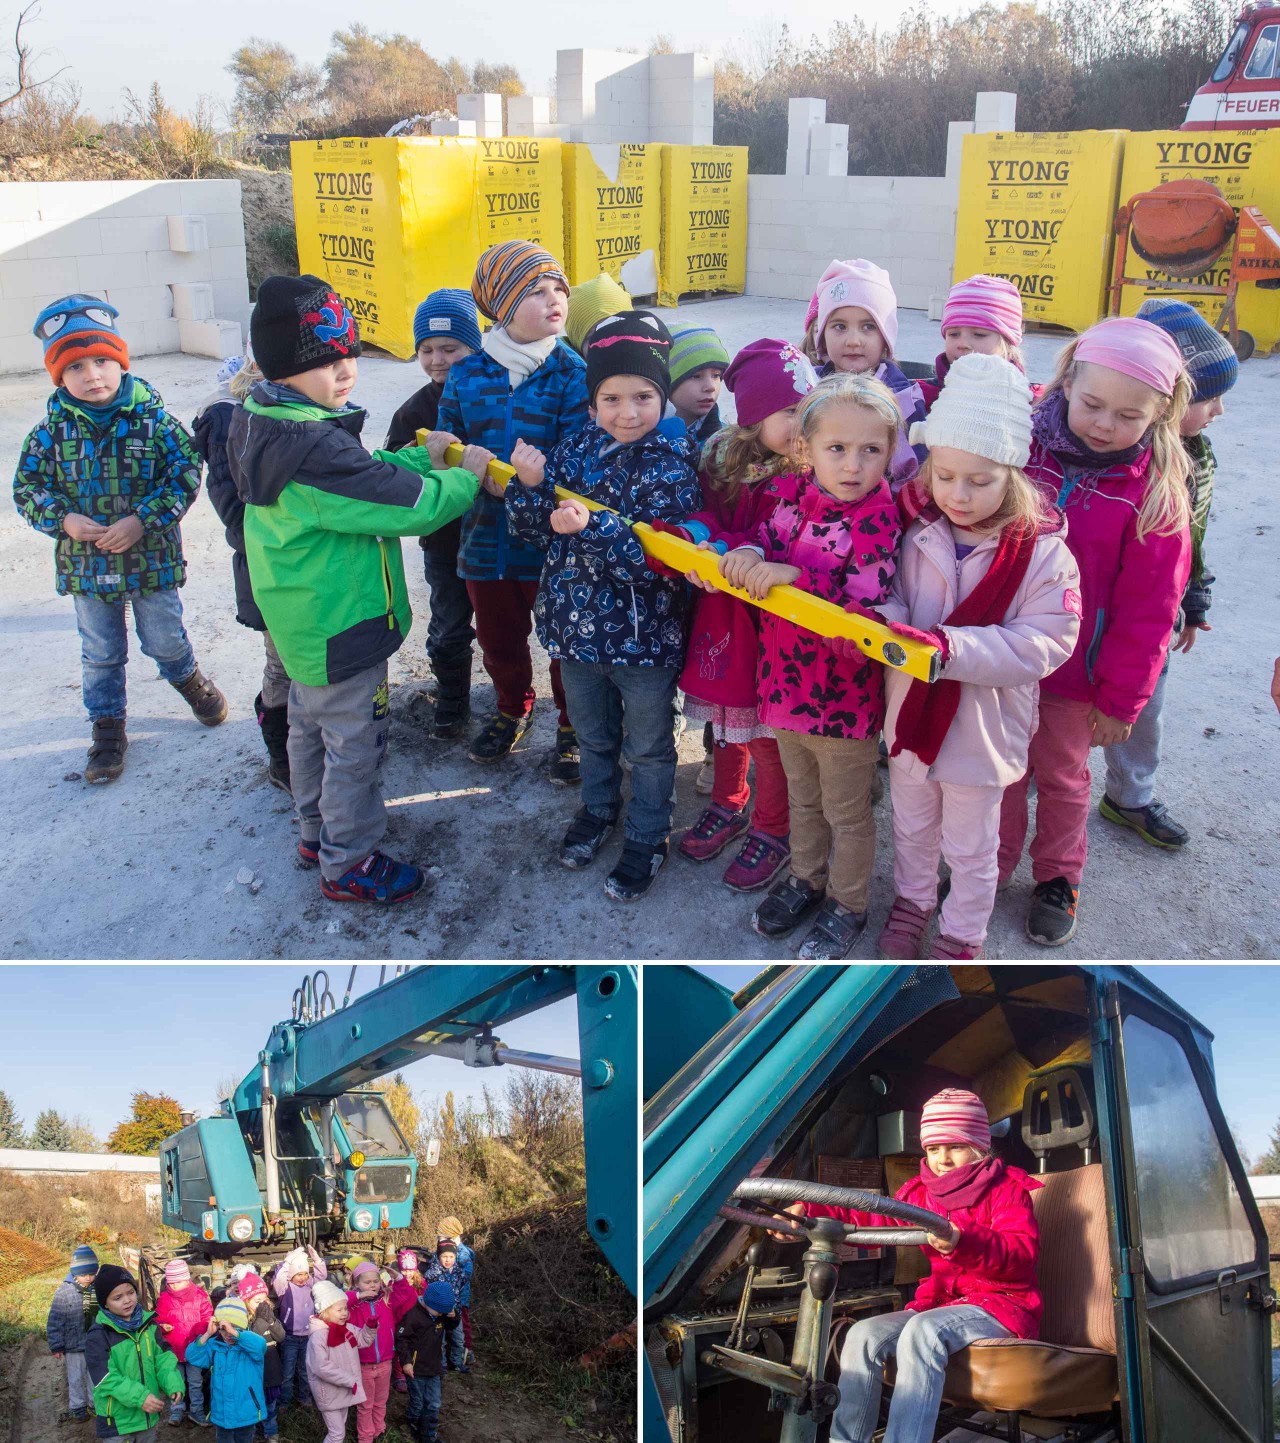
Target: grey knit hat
[[984, 409]]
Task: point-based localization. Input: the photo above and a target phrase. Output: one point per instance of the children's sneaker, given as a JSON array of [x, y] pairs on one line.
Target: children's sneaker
[[79, 1415], [308, 852], [585, 837], [786, 906], [379, 879], [761, 857], [903, 931], [833, 933], [566, 761], [635, 870], [1152, 823], [201, 1422], [712, 833], [175, 1419], [951, 949], [1052, 919], [498, 736], [106, 751], [207, 703]]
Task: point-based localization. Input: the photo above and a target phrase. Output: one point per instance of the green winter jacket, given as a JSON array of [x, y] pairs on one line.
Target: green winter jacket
[[322, 524], [124, 1368]]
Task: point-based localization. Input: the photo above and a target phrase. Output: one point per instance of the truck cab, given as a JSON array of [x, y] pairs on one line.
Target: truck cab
[[1154, 1259], [1243, 93]]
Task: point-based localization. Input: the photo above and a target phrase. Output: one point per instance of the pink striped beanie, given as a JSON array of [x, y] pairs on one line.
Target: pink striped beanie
[[987, 303], [176, 1271], [956, 1118]]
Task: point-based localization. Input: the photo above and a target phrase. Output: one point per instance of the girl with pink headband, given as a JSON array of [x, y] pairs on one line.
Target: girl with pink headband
[[1106, 447], [982, 317], [981, 1283]]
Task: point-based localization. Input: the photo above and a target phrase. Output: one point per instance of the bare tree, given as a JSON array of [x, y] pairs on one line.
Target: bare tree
[[24, 58]]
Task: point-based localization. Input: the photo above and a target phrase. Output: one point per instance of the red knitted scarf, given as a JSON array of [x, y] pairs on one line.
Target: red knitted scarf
[[339, 1333], [929, 709]]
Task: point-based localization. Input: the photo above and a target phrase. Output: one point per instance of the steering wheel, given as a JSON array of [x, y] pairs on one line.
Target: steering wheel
[[766, 1191]]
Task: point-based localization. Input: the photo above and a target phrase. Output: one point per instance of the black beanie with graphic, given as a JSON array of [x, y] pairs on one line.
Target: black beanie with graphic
[[300, 323]]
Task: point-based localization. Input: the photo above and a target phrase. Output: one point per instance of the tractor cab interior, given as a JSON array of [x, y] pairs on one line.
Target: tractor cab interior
[[1020, 1039]]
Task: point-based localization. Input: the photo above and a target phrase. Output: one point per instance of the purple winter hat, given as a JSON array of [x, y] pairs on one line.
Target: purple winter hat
[[768, 376]]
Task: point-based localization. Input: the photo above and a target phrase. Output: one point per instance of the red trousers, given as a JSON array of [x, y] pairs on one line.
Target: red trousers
[[731, 790], [504, 621], [466, 1327]]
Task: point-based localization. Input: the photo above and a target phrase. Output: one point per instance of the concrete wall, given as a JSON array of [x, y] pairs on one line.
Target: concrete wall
[[169, 254], [609, 97]]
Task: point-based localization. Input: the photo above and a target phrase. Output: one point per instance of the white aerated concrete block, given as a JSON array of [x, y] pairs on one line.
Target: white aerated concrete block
[[526, 110], [51, 239], [803, 115], [133, 234], [142, 303], [193, 301], [995, 110], [187, 233], [480, 108], [454, 127], [19, 200], [216, 338], [40, 280], [956, 132], [98, 273]]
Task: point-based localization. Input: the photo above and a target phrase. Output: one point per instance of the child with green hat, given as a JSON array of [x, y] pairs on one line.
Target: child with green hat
[[234, 1355]]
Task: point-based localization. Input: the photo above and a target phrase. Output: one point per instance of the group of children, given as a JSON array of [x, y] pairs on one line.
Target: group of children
[[1047, 541], [265, 1344]]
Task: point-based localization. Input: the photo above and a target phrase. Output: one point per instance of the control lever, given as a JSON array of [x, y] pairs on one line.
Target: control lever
[[740, 1322]]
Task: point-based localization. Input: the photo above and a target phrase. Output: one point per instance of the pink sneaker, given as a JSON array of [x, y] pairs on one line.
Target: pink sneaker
[[903, 931], [712, 833], [760, 860], [950, 949]]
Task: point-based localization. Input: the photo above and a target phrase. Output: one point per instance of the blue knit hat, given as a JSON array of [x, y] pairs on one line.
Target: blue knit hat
[[439, 1297], [447, 313], [83, 1261], [1211, 363], [76, 327]]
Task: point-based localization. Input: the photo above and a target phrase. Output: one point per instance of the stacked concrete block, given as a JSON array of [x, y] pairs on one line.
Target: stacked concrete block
[[525, 113], [996, 110], [802, 116], [454, 127], [607, 97], [485, 111], [682, 101], [165, 253], [578, 72], [829, 150]]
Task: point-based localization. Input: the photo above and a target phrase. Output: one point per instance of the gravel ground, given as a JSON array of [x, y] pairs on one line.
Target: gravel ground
[[148, 867]]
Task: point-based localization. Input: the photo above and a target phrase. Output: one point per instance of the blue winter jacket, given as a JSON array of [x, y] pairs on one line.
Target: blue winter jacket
[[65, 1327], [237, 1396], [458, 1278], [467, 1262], [598, 601], [480, 407]]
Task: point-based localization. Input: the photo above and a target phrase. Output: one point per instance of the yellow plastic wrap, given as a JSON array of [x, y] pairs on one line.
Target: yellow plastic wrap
[[1039, 209], [1245, 166], [519, 191], [613, 214], [704, 220]]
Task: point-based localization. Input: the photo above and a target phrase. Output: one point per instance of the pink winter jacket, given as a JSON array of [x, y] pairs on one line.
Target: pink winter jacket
[[996, 1262], [334, 1373], [846, 553], [1130, 589], [187, 1312], [1001, 666], [377, 1321]]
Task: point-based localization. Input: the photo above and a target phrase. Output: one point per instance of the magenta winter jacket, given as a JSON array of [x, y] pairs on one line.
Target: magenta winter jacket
[[1130, 590], [846, 553], [188, 1312], [995, 1265], [377, 1320]]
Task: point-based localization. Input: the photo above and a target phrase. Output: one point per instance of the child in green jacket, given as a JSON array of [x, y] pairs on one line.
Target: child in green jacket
[[131, 1373], [322, 525]]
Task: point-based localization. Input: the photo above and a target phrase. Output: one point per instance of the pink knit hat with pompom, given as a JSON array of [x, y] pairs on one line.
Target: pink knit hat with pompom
[[957, 1118]]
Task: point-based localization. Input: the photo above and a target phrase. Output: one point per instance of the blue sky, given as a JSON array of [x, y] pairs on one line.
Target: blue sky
[[84, 1039], [1239, 1005]]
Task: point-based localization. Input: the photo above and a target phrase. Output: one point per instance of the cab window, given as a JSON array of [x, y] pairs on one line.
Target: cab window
[[1233, 51], [370, 1126], [1262, 63]]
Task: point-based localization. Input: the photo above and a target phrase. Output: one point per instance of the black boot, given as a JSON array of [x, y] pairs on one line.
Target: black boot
[[106, 754], [453, 700], [205, 700], [274, 721]]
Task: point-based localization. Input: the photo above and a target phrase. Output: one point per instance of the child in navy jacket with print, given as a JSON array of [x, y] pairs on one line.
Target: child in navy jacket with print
[[617, 627]]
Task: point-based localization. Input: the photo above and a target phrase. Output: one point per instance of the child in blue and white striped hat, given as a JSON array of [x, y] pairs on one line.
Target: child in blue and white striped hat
[[65, 1328]]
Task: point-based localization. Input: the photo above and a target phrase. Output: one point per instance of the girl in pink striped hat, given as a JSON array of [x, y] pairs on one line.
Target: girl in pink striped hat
[[981, 1283], [183, 1310], [982, 316]]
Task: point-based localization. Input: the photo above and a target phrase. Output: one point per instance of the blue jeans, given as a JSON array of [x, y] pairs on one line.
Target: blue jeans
[[455, 1343], [606, 702], [195, 1391], [449, 629], [104, 645], [293, 1355], [922, 1344], [271, 1424], [424, 1407]]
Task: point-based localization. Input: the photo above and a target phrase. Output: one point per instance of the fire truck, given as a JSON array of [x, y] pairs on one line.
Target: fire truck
[[1243, 93]]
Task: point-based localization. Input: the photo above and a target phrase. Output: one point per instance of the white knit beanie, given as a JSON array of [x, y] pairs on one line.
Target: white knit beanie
[[324, 1294], [984, 409]]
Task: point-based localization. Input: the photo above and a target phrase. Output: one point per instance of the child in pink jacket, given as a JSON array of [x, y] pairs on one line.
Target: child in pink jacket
[[183, 1311], [1106, 447], [982, 1281], [984, 570], [834, 532], [333, 1359], [370, 1311], [768, 380], [981, 316]]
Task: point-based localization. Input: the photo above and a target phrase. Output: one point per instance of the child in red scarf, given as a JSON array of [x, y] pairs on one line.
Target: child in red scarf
[[333, 1359], [982, 1283]]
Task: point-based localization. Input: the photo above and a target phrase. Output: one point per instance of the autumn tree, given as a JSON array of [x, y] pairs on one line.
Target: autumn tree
[[371, 81], [155, 1117], [82, 1136], [272, 89], [404, 1108], [51, 1133], [12, 1133], [501, 80]]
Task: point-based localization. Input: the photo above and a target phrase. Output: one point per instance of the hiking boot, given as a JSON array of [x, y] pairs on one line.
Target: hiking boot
[[786, 906], [585, 837], [903, 931], [205, 700], [274, 722], [176, 1420], [566, 760], [833, 933], [79, 1415], [635, 870], [761, 857], [712, 833], [499, 736], [951, 949], [1052, 919], [308, 852], [106, 750], [1152, 823], [379, 879], [453, 701]]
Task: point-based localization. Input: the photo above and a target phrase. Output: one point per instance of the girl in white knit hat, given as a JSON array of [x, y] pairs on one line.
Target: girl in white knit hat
[[985, 573]]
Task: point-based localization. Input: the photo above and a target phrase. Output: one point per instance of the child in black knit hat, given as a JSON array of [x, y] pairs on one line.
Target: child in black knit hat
[[616, 625]]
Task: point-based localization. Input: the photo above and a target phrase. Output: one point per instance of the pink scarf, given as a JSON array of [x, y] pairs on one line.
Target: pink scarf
[[962, 1186]]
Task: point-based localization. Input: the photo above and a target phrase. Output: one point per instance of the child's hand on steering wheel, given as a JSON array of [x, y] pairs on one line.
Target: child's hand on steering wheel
[[945, 1245], [797, 1209]]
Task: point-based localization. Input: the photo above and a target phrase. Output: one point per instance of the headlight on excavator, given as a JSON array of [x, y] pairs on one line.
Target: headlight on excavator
[[362, 1221], [240, 1228], [356, 1160]]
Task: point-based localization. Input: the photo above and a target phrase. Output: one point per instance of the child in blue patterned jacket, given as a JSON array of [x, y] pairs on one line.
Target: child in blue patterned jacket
[[108, 475], [616, 625], [67, 1324]]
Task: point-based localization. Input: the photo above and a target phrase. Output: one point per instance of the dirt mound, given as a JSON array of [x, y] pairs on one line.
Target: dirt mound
[[81, 162], [21, 1258], [270, 236]]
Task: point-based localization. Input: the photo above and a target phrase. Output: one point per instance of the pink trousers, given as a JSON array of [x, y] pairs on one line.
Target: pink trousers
[[959, 823], [335, 1424], [1059, 761], [371, 1415]]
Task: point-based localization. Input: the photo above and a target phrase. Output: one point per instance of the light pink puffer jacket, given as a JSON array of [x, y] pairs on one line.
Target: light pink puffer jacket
[[334, 1373], [1001, 666]]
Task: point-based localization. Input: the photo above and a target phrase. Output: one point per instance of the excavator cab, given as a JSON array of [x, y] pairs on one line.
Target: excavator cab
[[1243, 92]]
